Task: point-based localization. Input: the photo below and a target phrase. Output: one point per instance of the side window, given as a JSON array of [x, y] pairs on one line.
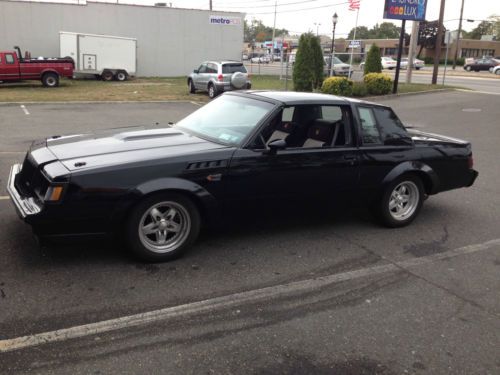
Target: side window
[[331, 112], [212, 68], [391, 126], [287, 115], [9, 59], [369, 130], [202, 68]]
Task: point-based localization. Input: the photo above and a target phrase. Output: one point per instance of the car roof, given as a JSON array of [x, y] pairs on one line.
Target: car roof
[[223, 62], [293, 98]]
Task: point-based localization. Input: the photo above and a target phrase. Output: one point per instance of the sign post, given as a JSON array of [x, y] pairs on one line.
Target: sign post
[[413, 10]]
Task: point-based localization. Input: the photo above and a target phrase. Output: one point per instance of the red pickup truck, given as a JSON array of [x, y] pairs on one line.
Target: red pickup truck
[[13, 67]]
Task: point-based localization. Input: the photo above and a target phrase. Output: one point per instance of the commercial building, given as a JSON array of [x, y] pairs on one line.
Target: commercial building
[[170, 41]]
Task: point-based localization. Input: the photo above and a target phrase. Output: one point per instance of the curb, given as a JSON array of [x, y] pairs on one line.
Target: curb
[[391, 96]]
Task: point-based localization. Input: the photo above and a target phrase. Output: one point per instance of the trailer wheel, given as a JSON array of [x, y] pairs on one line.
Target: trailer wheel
[[121, 75], [50, 79], [107, 75]]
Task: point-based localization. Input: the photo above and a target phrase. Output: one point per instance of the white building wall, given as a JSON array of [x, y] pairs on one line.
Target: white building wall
[[170, 41]]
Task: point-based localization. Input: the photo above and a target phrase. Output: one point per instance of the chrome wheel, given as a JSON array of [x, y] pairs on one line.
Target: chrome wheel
[[164, 227], [404, 200], [51, 81]]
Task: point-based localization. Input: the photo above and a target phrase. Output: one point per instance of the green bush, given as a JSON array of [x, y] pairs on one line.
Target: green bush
[[337, 86], [359, 89], [373, 63], [378, 83]]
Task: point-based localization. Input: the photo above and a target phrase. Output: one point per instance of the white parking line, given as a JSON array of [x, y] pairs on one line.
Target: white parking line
[[4, 197], [23, 107], [479, 92], [229, 300]]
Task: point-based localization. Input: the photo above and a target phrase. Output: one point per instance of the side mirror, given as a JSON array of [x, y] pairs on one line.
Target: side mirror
[[274, 146], [195, 71]]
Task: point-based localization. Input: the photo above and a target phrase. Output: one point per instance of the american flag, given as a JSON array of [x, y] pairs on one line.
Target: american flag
[[354, 4]]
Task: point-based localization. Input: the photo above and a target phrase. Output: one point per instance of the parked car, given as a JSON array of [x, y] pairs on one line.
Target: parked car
[[14, 68], [216, 77], [339, 67], [387, 63], [156, 187], [481, 64], [260, 59], [417, 64], [245, 57]]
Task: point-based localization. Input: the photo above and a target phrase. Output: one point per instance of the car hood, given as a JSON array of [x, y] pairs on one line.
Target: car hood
[[119, 146]]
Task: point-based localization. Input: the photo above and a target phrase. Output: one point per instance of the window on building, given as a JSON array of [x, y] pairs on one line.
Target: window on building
[[470, 52], [391, 51], [488, 52]]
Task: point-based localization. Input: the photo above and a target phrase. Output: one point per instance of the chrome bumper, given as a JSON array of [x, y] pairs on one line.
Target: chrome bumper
[[24, 206]]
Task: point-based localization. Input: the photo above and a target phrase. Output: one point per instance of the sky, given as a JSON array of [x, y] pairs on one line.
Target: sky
[[300, 16]]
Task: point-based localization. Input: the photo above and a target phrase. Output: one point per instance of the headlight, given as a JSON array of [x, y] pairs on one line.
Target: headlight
[[54, 193]]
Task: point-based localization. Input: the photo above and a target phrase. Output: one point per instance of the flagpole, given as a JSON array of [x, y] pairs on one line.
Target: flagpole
[[352, 44]]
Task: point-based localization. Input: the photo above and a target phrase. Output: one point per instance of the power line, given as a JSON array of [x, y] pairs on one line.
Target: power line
[[301, 9], [271, 5]]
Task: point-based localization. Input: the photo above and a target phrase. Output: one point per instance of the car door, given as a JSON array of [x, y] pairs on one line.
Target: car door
[[201, 79], [9, 70], [295, 172]]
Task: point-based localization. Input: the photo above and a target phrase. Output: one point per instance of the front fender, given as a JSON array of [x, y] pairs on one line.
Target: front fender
[[429, 177], [203, 199], [179, 184]]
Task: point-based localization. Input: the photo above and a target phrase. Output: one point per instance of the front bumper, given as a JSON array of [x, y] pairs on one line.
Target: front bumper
[[473, 176], [25, 207]]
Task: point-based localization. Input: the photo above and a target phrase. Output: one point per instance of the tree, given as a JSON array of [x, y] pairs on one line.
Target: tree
[[373, 64], [427, 35], [362, 32], [304, 77], [486, 27], [256, 30], [386, 30], [318, 61]]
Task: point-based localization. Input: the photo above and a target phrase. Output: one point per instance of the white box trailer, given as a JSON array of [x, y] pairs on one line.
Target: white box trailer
[[105, 56]]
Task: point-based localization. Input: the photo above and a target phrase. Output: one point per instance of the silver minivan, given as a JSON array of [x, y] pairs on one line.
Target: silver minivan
[[216, 77]]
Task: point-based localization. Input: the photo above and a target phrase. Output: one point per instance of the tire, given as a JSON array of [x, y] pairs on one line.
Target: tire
[[249, 86], [394, 209], [50, 80], [107, 75], [418, 68], [497, 72], [468, 68], [192, 88], [146, 238], [121, 75], [212, 91]]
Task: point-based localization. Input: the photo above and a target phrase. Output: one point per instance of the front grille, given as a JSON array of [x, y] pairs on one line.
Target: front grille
[[30, 181]]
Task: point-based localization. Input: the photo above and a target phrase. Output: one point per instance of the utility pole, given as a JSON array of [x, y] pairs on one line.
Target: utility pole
[[274, 31], [411, 50], [210, 4], [439, 40], [458, 35]]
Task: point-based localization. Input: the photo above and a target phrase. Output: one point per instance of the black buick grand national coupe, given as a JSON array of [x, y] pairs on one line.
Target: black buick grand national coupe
[[158, 185]]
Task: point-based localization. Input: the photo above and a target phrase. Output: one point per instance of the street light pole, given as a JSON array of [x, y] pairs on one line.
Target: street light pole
[[335, 18], [317, 27], [458, 35]]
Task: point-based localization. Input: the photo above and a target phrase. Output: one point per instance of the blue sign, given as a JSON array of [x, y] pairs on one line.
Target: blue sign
[[411, 10]]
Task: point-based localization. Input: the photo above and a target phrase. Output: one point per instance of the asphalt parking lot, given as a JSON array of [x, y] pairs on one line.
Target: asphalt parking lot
[[318, 294]]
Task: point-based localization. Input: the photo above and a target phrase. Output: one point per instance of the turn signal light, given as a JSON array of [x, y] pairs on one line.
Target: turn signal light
[[53, 194]]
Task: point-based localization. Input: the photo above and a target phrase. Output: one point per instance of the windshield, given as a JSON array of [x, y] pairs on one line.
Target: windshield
[[227, 119], [336, 60], [233, 68]]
